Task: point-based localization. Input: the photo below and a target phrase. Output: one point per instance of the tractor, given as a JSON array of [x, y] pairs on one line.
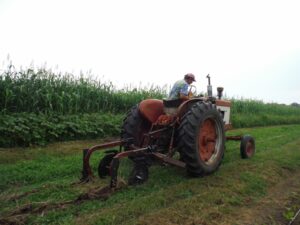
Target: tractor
[[154, 130]]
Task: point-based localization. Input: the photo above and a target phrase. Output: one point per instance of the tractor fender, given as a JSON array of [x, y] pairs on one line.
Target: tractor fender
[[151, 109], [186, 105]]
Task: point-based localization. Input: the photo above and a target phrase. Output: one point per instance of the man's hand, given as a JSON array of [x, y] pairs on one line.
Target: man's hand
[[184, 97]]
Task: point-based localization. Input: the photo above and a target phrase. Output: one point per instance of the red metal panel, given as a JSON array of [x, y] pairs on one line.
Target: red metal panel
[[234, 138], [151, 109], [223, 103]]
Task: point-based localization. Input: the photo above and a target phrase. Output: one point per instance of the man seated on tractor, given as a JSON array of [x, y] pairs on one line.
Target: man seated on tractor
[[180, 89]]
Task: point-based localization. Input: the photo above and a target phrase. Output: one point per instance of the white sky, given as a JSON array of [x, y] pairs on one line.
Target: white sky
[[251, 48]]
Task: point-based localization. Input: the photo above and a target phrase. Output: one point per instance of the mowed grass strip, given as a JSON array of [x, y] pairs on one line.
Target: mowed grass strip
[[168, 197]]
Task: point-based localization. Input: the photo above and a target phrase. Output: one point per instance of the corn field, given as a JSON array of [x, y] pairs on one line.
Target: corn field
[[39, 106], [42, 91], [250, 113]]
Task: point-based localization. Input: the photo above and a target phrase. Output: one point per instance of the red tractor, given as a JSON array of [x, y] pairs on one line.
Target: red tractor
[[154, 130]]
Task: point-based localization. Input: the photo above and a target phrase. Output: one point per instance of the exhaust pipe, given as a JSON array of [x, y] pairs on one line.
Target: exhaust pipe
[[209, 87], [220, 92]]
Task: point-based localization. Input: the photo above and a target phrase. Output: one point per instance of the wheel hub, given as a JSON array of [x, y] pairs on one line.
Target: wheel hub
[[207, 140], [249, 149]]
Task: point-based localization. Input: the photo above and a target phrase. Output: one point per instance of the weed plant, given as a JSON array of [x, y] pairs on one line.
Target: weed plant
[[25, 129]]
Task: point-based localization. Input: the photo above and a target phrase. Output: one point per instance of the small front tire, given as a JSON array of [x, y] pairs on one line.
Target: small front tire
[[247, 147]]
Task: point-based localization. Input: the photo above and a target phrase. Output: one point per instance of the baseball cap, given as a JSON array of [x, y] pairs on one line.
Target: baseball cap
[[190, 75]]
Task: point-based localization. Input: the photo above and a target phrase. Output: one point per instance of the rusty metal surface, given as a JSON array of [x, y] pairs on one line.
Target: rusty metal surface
[[250, 149], [164, 120], [234, 138], [228, 127], [182, 109], [131, 152], [171, 150], [223, 103], [207, 139], [169, 160], [87, 172], [156, 132], [151, 109], [116, 162]]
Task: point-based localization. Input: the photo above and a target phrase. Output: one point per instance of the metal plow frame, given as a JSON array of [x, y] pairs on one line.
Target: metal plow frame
[[150, 150]]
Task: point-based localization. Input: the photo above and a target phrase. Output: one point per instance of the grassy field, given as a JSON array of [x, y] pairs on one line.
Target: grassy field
[[260, 190]]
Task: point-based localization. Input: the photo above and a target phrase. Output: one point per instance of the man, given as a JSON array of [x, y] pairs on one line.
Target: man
[[180, 89]]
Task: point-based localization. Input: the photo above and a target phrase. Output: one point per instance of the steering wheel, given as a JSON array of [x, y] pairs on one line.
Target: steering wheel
[[192, 91]]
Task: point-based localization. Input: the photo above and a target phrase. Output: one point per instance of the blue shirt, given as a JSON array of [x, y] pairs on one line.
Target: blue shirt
[[180, 87]]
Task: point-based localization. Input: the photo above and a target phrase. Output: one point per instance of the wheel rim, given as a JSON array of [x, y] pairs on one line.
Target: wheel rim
[[209, 141], [249, 149]]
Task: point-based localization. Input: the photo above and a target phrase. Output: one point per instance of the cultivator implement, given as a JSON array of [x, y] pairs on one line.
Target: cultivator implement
[[109, 164]]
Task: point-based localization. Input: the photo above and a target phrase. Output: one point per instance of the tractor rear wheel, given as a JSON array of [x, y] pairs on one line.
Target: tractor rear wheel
[[134, 126], [202, 139]]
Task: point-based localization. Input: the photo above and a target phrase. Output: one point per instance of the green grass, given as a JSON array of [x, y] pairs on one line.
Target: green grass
[[168, 197]]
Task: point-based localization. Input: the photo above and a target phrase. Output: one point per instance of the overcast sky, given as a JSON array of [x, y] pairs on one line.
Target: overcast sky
[[251, 48]]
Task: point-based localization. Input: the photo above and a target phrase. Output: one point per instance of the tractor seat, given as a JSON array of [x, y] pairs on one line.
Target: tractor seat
[[170, 106], [171, 103]]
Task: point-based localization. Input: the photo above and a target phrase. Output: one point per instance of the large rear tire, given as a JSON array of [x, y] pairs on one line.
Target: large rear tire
[[202, 139], [134, 126]]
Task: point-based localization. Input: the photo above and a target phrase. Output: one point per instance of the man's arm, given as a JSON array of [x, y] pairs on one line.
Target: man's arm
[[184, 92]]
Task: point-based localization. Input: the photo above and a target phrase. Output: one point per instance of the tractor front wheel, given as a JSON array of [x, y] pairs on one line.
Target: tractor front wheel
[[202, 139], [247, 147]]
